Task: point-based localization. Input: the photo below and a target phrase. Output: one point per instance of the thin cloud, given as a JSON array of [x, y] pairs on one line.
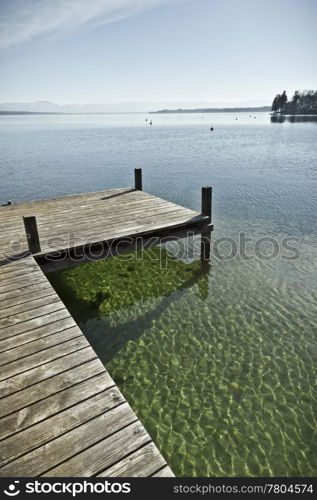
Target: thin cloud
[[24, 20]]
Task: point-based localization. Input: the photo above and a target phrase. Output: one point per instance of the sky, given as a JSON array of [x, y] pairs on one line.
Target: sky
[[156, 52]]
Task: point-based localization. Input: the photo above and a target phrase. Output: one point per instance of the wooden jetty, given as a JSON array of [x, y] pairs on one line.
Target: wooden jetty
[[61, 414]]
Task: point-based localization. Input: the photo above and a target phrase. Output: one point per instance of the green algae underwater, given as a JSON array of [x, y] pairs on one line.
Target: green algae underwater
[[218, 361]]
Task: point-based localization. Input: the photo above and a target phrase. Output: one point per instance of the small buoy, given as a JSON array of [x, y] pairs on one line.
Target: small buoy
[[236, 118], [211, 128], [146, 119], [150, 122]]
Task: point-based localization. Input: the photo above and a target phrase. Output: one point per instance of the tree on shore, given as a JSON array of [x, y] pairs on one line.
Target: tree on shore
[[276, 103], [279, 102], [302, 103]]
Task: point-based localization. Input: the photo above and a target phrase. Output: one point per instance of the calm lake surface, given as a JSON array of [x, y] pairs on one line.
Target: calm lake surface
[[219, 362]]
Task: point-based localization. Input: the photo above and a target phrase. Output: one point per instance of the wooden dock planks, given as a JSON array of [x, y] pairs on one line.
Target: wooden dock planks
[[61, 413], [58, 402], [75, 221]]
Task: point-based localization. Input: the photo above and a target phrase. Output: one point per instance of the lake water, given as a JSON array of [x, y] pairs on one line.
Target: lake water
[[219, 362]]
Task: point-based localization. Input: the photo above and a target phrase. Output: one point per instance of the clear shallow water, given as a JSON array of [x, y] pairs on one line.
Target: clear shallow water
[[219, 363]]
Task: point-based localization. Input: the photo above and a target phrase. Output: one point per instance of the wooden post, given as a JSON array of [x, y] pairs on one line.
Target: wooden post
[[205, 246], [138, 179], [206, 209], [206, 201], [32, 234]]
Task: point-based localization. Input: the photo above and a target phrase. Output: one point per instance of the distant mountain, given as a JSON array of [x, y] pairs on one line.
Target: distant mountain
[[215, 110], [33, 107], [51, 107], [119, 107], [32, 113]]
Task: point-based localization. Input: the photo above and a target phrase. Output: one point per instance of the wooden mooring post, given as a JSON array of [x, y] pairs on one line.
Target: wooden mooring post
[[206, 201], [206, 209], [138, 179], [32, 234]]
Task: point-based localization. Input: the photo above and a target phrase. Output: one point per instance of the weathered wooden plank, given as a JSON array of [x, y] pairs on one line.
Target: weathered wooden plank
[[37, 346], [66, 215], [112, 215], [31, 324], [142, 223], [125, 231], [165, 472], [50, 214], [52, 211], [13, 270], [18, 273], [66, 420], [104, 453], [24, 309], [10, 307], [46, 371], [21, 294], [142, 463], [18, 264], [10, 249], [79, 198], [7, 278], [47, 456], [57, 325], [54, 304], [121, 216], [110, 209], [66, 211], [54, 404], [41, 358], [45, 389], [49, 204], [84, 201], [23, 282], [68, 238], [117, 212]]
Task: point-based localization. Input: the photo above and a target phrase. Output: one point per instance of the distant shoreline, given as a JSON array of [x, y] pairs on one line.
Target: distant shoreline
[[33, 113], [214, 110], [163, 111], [72, 113]]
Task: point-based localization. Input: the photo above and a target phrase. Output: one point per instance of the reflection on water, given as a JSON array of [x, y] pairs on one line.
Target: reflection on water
[[218, 362], [293, 118]]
